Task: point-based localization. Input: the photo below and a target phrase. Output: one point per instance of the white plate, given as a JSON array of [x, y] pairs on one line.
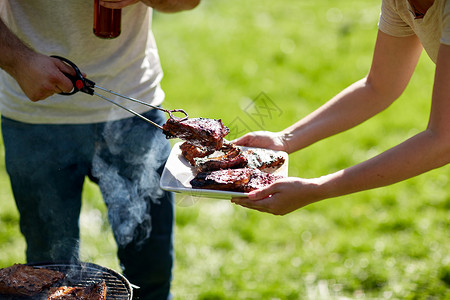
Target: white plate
[[178, 173]]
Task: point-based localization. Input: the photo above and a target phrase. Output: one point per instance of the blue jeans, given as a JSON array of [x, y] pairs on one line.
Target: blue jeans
[[48, 164]]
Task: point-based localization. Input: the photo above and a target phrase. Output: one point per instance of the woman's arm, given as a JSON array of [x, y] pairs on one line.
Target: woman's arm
[[425, 151], [394, 61]]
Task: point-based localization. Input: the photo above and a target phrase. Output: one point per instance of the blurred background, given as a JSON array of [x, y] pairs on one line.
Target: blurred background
[[262, 65]]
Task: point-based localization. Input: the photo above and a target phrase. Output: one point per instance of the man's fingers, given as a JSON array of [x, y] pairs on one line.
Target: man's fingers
[[64, 84]]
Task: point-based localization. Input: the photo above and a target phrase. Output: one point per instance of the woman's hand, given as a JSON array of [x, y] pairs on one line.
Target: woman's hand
[[283, 196], [262, 139]]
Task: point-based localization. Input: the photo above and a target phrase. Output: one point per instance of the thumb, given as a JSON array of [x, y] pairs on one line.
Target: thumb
[[262, 193], [243, 140]]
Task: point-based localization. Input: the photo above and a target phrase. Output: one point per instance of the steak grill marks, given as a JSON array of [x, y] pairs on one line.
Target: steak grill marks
[[95, 291], [238, 180], [230, 156], [202, 132], [23, 280], [230, 168]]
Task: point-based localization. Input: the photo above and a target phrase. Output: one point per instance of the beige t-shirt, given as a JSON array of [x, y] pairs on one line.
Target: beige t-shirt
[[397, 19], [128, 64]]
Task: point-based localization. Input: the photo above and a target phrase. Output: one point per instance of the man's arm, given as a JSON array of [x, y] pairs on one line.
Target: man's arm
[[38, 75], [13, 50], [167, 6]]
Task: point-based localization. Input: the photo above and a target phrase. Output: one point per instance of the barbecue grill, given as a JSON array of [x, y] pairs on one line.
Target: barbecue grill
[[85, 274]]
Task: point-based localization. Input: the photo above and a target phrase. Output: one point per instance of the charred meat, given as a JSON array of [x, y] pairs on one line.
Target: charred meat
[[217, 163], [228, 179], [228, 157], [23, 280], [231, 156], [190, 152], [193, 153], [237, 180], [92, 292], [263, 160], [207, 133], [259, 180]]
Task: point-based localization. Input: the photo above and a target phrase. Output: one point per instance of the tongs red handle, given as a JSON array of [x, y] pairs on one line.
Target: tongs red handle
[[82, 84]]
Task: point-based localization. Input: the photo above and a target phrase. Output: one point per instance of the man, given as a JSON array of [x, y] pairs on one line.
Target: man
[[52, 145]]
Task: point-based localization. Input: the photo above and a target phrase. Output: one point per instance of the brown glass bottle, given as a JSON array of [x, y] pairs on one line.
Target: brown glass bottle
[[107, 21]]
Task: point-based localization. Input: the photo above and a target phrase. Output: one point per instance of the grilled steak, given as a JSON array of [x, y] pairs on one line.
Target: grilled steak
[[190, 152], [237, 180], [217, 163], [91, 292], [228, 180], [263, 160], [207, 133], [259, 180], [23, 280], [228, 157]]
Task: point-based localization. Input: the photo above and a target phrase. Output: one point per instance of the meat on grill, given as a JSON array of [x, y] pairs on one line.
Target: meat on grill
[[23, 280], [92, 292], [207, 133], [238, 180]]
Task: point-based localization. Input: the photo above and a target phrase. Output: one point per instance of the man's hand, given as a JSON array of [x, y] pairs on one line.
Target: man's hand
[[38, 75], [160, 5], [41, 76]]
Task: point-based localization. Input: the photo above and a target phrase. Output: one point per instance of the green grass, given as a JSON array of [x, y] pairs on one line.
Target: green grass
[[389, 243]]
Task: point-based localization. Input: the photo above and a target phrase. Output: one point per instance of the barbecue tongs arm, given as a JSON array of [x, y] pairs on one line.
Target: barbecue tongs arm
[[82, 84]]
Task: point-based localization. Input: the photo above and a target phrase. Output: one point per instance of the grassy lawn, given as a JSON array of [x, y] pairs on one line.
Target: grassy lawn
[[389, 243]]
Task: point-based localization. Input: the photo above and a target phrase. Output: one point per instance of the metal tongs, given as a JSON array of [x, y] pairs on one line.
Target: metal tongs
[[82, 84]]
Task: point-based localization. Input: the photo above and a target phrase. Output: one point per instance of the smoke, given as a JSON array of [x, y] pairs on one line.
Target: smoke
[[126, 166], [126, 211]]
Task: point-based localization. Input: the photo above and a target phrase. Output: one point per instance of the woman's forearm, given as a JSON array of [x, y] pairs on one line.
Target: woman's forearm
[[421, 153], [351, 107], [393, 63]]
